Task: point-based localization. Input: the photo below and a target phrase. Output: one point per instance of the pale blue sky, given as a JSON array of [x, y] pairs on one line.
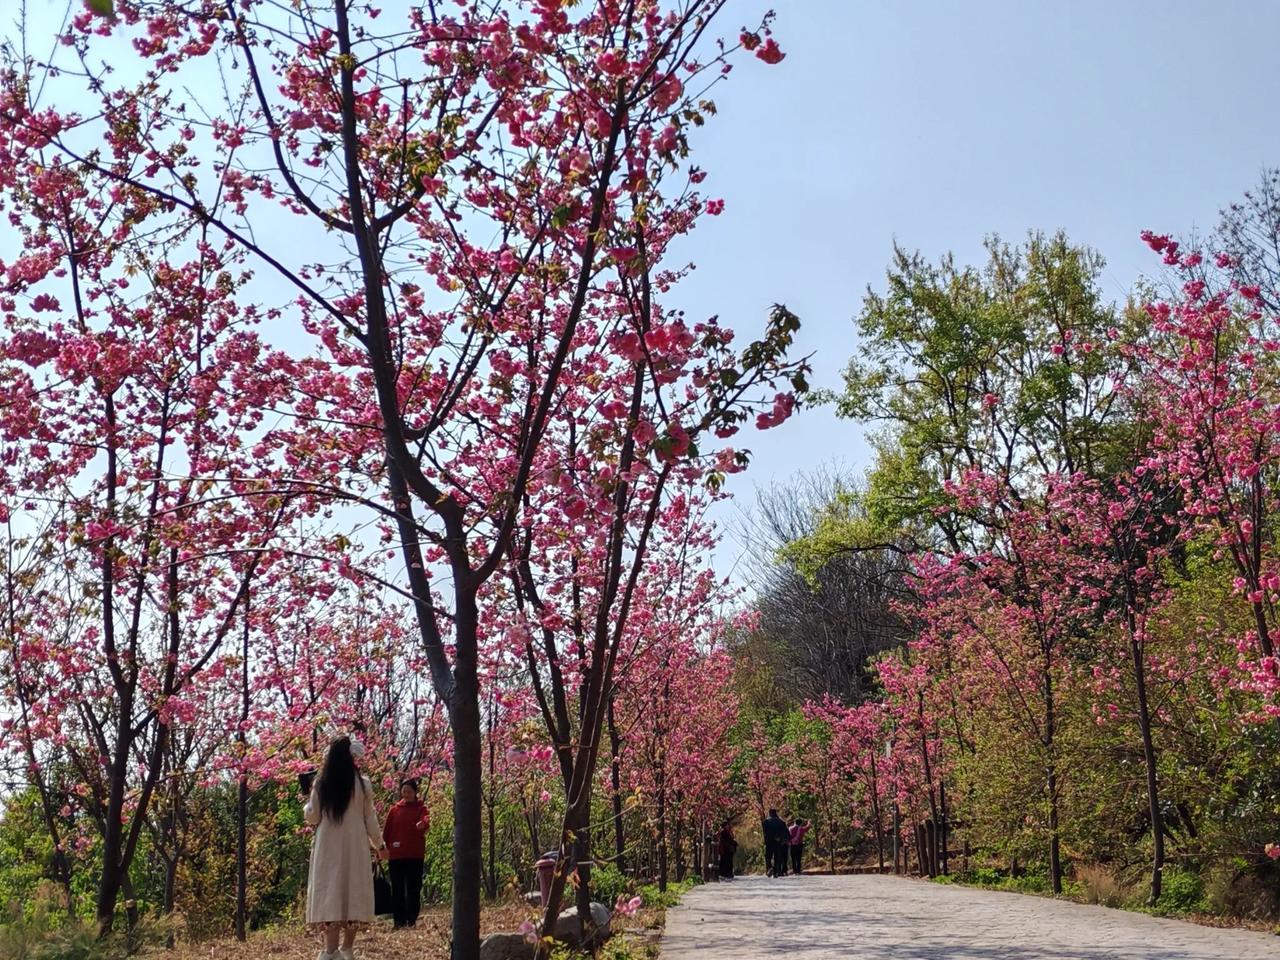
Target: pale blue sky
[[937, 123]]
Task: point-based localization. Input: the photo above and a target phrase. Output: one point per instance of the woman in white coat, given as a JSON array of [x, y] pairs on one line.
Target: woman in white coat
[[340, 881]]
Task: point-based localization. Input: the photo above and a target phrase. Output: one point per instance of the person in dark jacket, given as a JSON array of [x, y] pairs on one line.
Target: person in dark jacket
[[777, 840], [405, 835], [728, 846]]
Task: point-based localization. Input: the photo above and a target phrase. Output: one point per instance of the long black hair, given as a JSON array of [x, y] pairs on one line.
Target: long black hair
[[336, 784]]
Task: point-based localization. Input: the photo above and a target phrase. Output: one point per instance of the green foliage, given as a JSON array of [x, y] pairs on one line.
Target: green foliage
[[25, 849], [624, 948], [651, 896], [437, 869], [608, 883], [43, 931], [964, 366], [1182, 892]]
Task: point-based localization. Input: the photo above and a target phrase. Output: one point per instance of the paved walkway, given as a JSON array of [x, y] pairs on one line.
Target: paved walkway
[[890, 918]]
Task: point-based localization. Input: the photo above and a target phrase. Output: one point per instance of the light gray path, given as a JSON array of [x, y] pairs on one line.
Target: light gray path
[[891, 918]]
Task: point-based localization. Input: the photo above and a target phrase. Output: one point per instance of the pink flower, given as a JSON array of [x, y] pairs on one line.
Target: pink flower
[[715, 207], [783, 406], [666, 142], [770, 52], [1272, 850], [528, 931], [644, 433], [628, 345], [614, 410], [626, 908], [612, 63]]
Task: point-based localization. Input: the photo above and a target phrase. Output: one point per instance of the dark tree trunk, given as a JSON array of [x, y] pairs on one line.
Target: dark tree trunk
[[491, 879], [1055, 851], [242, 798], [662, 833], [1051, 781], [615, 782], [943, 866], [897, 839], [468, 801], [242, 861], [1149, 758]]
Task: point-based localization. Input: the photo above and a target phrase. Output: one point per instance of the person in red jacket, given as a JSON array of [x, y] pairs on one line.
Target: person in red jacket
[[405, 835]]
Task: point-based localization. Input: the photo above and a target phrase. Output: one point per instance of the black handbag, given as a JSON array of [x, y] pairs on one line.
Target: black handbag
[[382, 905]]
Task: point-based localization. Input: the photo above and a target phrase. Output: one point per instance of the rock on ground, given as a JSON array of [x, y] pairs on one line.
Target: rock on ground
[[569, 929], [506, 946], [892, 918]]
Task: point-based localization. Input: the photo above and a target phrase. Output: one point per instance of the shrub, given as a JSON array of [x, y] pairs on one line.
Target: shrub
[[1182, 891], [651, 896], [44, 932], [1099, 885], [608, 883]]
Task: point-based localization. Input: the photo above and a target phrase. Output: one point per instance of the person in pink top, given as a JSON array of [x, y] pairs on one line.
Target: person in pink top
[[797, 831]]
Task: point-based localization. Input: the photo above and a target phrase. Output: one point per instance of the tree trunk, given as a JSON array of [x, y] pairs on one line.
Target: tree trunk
[[875, 812], [242, 860], [1055, 852], [678, 834], [1149, 758], [944, 867], [491, 878], [1051, 781], [615, 746], [662, 833], [468, 801], [242, 797], [897, 839], [113, 868]]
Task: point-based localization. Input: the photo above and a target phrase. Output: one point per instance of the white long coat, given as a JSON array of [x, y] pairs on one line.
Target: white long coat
[[340, 882]]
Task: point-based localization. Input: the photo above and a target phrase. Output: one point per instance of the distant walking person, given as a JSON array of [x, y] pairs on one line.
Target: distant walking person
[[405, 834], [727, 847], [776, 840], [340, 880], [798, 830]]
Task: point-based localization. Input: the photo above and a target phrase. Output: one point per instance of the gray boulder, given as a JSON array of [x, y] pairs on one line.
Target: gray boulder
[[569, 928], [506, 946]]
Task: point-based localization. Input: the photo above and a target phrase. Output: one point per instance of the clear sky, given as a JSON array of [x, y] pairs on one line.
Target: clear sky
[[937, 123]]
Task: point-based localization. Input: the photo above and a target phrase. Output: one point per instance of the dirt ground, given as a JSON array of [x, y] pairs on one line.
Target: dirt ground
[[428, 941]]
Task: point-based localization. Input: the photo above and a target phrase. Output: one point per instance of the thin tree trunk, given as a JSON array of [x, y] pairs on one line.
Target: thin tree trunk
[[242, 860], [242, 798], [897, 839], [1051, 782], [875, 812], [942, 826], [615, 744], [491, 885], [662, 832], [1149, 758], [468, 784]]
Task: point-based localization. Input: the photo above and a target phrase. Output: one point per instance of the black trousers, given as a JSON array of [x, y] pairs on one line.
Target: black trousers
[[406, 891], [776, 857], [797, 849], [726, 866]]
